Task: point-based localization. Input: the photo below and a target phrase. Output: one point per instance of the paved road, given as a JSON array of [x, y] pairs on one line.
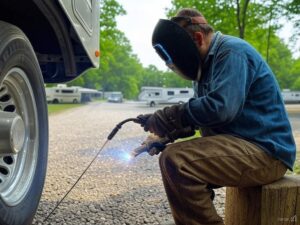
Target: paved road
[[114, 190]]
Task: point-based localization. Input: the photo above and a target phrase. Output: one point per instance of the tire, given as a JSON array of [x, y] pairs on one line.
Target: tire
[[22, 92], [55, 101], [75, 101], [152, 104]]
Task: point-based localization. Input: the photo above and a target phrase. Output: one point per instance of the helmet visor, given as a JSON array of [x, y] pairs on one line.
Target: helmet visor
[[176, 47], [168, 60]]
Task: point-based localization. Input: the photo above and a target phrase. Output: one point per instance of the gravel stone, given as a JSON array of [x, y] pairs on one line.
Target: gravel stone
[[114, 191]]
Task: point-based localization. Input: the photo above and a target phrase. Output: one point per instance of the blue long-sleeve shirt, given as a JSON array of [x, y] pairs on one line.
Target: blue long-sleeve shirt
[[239, 95]]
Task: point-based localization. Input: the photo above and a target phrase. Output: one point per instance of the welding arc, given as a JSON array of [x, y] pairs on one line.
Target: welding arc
[[110, 136], [79, 178]]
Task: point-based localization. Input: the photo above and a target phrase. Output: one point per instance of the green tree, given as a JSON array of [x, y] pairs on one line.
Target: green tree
[[153, 77], [256, 21], [173, 80], [228, 16], [119, 68], [293, 13], [295, 73]]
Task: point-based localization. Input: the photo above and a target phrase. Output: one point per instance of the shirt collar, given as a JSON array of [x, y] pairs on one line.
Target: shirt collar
[[213, 45]]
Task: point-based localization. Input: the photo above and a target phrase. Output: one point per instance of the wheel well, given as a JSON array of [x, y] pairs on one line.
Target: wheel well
[[60, 54], [152, 103]]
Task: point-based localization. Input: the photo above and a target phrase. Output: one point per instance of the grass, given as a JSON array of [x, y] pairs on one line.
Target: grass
[[57, 108], [297, 164], [297, 168]]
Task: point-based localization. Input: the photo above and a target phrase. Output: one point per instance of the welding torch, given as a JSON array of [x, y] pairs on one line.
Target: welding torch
[[153, 144]]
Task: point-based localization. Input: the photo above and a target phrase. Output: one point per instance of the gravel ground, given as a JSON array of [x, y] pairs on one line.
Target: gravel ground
[[113, 191]]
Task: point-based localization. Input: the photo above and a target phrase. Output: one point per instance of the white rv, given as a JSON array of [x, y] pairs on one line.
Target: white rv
[[290, 96], [63, 94], [159, 95]]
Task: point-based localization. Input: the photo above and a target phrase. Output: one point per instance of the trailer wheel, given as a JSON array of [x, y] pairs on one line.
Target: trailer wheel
[[75, 101], [152, 104], [55, 101], [23, 128]]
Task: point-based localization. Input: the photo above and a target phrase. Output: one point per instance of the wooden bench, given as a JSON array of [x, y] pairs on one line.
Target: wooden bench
[[273, 204]]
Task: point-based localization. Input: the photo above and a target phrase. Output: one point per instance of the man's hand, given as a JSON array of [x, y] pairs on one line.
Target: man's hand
[[165, 122], [154, 144]]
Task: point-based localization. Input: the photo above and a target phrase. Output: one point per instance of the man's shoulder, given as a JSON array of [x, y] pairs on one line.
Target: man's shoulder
[[235, 43], [238, 46]]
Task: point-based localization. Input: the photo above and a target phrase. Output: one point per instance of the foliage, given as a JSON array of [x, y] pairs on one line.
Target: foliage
[[120, 69], [228, 16], [293, 12], [297, 168], [154, 77], [255, 21], [295, 71]]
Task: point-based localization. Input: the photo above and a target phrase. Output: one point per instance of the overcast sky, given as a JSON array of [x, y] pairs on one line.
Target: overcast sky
[[138, 24]]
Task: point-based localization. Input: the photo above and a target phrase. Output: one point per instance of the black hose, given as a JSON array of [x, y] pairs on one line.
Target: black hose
[[119, 126]]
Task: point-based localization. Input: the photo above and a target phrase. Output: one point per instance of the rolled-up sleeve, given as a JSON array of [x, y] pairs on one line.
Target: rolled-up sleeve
[[226, 94]]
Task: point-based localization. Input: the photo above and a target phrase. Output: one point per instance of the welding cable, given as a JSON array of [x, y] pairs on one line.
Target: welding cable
[[119, 126], [110, 136]]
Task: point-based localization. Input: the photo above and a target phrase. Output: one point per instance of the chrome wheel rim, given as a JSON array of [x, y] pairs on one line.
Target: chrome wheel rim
[[17, 170]]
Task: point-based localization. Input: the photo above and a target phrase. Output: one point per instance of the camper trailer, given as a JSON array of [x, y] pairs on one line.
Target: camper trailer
[[159, 95], [63, 94], [75, 94], [290, 96]]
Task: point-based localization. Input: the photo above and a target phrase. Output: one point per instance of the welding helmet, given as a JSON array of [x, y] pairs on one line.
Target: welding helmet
[[177, 48]]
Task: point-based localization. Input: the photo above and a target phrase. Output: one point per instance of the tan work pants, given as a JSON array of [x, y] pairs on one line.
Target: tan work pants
[[189, 167]]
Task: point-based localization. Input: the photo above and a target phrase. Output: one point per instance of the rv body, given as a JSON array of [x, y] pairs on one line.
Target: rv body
[[51, 41], [290, 96], [63, 94], [160, 95]]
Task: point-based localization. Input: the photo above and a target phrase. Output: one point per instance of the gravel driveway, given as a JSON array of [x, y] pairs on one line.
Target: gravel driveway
[[113, 191]]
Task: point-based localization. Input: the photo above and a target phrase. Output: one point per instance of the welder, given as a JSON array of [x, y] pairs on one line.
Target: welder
[[246, 138]]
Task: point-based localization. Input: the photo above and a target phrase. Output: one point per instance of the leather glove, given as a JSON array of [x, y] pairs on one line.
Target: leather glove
[[154, 144], [165, 122]]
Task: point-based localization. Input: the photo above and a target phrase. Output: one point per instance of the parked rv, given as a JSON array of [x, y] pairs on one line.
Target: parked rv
[[290, 96], [160, 95], [75, 94], [88, 94], [63, 94]]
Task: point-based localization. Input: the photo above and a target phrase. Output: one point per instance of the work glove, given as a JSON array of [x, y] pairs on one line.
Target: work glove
[[167, 122], [154, 144]]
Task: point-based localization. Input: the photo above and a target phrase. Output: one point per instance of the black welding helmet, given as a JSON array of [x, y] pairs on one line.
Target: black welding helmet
[[177, 48]]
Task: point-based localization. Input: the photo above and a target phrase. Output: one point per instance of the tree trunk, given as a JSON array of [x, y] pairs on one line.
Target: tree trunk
[[273, 204], [243, 206], [281, 202]]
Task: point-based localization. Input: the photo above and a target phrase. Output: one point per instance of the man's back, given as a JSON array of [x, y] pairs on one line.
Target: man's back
[[241, 87]]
